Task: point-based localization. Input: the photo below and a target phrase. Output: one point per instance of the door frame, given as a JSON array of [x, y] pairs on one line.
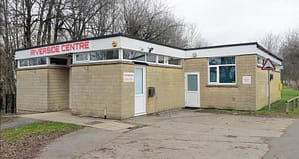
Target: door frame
[[144, 90], [198, 89]]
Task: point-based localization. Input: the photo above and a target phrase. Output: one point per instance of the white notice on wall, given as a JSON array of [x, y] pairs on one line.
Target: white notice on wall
[[128, 77], [246, 80]]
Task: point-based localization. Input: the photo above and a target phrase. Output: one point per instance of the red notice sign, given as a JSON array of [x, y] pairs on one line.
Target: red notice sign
[[268, 65]]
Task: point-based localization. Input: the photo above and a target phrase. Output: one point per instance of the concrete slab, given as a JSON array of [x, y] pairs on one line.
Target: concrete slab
[[67, 117], [76, 144], [187, 134]]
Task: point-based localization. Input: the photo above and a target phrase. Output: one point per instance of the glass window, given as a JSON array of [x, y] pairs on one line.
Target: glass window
[[82, 57], [222, 70], [33, 61], [213, 74], [134, 55], [192, 83], [174, 61], [138, 81], [151, 58], [161, 59], [104, 55], [24, 62], [227, 74], [221, 60]]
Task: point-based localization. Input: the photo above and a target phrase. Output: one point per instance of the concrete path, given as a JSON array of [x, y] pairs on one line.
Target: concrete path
[[190, 135], [286, 147], [67, 117], [76, 144], [16, 121]]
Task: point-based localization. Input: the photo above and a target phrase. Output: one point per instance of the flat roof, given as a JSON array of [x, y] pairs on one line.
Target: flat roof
[[157, 43]]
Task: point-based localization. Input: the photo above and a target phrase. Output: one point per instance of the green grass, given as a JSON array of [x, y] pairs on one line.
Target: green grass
[[14, 134], [277, 108]]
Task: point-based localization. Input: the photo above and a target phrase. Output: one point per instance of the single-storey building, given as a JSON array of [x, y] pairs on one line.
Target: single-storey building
[[118, 76]]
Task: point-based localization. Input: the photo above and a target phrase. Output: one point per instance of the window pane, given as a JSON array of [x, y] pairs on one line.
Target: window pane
[[134, 55], [111, 54], [192, 83], [24, 62], [213, 74], [174, 61], [221, 60], [151, 58], [96, 56], [138, 81], [227, 74], [82, 57], [161, 59], [228, 60]]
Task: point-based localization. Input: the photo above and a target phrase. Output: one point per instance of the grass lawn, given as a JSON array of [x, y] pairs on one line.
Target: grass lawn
[[27, 141], [277, 109], [40, 128]]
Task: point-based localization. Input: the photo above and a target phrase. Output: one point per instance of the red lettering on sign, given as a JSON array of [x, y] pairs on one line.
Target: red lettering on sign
[[76, 46]]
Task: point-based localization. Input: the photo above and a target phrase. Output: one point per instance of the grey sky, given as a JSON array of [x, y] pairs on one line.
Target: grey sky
[[233, 21]]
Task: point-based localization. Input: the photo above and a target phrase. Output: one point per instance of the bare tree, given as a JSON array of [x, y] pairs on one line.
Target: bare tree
[[272, 42]]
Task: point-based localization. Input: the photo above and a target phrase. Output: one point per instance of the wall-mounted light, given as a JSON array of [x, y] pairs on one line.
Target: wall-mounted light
[[150, 49]]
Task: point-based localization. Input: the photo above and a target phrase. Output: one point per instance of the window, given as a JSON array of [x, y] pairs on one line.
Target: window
[[82, 57], [174, 61], [33, 62], [151, 58], [134, 55], [161, 59], [104, 55], [222, 70], [260, 60]]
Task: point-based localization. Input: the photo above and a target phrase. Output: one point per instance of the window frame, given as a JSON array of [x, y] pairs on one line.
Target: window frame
[[218, 71]]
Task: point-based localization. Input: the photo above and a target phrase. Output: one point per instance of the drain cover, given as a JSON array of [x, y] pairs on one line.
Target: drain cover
[[94, 123]]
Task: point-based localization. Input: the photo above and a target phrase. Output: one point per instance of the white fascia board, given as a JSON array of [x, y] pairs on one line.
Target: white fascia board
[[143, 46], [223, 51], [266, 55], [230, 51], [97, 44]]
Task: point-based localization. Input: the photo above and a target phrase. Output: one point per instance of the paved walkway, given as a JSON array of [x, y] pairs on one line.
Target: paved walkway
[[285, 147], [77, 144], [67, 117], [15, 121]]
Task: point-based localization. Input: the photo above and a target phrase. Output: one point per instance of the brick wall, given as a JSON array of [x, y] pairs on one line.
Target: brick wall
[[42, 89], [58, 89], [95, 88], [261, 91], [169, 85], [32, 94], [237, 96]]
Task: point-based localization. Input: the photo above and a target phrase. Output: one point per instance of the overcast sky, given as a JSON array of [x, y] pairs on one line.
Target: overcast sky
[[234, 21]]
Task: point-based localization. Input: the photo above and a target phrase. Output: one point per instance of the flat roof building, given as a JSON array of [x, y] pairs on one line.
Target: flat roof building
[[118, 76]]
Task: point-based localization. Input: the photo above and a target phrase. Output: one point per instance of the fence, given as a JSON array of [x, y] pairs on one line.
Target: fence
[[291, 104], [8, 103]]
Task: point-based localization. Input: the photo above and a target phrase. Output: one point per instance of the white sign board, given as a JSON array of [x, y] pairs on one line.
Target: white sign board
[[128, 77], [246, 79]]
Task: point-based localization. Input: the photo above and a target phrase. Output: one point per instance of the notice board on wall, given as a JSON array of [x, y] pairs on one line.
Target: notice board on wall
[[128, 77]]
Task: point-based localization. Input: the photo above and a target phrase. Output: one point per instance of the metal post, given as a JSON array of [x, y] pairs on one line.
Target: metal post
[[269, 105], [287, 107]]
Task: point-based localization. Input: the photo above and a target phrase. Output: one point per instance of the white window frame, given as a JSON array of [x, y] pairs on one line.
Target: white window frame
[[33, 66], [218, 73]]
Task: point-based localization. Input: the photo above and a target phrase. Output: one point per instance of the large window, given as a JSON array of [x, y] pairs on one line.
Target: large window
[[100, 55], [222, 70], [134, 55], [33, 62]]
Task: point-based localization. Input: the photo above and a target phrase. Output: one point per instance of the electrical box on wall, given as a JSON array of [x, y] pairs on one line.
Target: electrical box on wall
[[151, 91]]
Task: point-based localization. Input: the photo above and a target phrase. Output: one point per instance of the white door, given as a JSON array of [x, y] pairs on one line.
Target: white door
[[192, 96], [140, 91]]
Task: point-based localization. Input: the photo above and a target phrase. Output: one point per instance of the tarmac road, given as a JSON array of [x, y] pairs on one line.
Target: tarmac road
[[287, 146]]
